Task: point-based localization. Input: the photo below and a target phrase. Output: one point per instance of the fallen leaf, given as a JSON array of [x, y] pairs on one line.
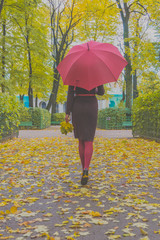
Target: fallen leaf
[[143, 232]]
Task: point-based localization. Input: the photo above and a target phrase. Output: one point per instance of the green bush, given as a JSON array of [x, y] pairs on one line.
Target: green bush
[[146, 115], [9, 115], [41, 118], [112, 118], [58, 117], [25, 115]]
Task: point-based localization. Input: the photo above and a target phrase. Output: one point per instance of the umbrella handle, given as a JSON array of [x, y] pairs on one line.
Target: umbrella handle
[[76, 85]]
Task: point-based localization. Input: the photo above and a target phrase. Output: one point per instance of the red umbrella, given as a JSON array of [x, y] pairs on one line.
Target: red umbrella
[[91, 64]]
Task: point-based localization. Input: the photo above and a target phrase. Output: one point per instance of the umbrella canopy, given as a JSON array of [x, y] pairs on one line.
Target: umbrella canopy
[[91, 64]]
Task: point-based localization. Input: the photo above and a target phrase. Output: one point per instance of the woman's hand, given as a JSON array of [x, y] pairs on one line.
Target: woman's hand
[[67, 118]]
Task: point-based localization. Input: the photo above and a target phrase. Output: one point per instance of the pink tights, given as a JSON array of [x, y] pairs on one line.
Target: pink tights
[[85, 152]]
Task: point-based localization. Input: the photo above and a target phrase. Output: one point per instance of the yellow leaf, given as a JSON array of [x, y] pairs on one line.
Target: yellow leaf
[[70, 218], [95, 214], [2, 204], [70, 238], [88, 205], [2, 213], [143, 232], [7, 212], [114, 237], [13, 209], [76, 234], [145, 220], [48, 215], [58, 225], [65, 222], [111, 231], [145, 238], [9, 237]]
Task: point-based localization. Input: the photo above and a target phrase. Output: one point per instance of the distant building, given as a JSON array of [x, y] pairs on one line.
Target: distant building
[[25, 101], [115, 98]]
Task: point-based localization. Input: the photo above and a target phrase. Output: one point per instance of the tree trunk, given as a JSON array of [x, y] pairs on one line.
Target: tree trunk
[[125, 14], [21, 97], [128, 79], [3, 55], [123, 93], [56, 86], [1, 6], [53, 95], [30, 95], [128, 69], [61, 39], [135, 91], [30, 90], [36, 101]]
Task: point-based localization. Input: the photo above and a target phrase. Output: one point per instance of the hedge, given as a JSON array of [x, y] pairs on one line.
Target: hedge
[[9, 116], [41, 118], [25, 114], [58, 117], [113, 118], [146, 115]]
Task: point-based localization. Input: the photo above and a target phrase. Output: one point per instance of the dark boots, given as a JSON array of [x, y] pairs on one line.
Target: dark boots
[[84, 178]]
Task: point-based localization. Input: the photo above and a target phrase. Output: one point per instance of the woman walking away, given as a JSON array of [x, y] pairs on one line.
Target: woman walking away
[[84, 108]]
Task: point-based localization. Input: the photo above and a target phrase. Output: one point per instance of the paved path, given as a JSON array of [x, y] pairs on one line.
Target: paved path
[[54, 131], [41, 196]]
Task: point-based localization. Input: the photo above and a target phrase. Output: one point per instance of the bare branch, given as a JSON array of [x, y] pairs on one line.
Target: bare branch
[[104, 11], [134, 11], [23, 33], [67, 44], [147, 26], [145, 9], [121, 10], [142, 7], [135, 2]]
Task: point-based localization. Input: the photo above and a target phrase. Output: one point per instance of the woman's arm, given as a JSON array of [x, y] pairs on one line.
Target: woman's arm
[[70, 98], [100, 90]]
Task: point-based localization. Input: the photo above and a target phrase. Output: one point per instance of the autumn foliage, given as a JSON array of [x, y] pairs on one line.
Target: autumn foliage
[[42, 198], [146, 115]]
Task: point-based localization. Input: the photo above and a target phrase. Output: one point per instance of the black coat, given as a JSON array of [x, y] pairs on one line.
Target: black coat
[[84, 111]]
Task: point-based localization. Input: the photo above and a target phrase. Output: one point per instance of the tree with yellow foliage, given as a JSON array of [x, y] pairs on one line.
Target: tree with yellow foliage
[[25, 49], [103, 19], [63, 17]]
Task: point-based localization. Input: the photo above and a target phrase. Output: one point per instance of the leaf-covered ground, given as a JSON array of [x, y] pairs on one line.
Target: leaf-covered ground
[[41, 196]]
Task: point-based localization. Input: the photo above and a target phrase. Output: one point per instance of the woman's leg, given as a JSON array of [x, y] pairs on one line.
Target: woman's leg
[[88, 151], [81, 152]]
